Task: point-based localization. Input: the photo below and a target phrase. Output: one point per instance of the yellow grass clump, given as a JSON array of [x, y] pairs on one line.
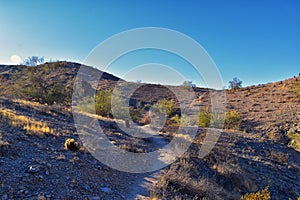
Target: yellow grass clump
[[27, 123], [260, 195], [29, 103]]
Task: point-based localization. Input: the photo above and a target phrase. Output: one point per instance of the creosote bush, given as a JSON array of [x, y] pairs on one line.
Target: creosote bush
[[204, 118], [38, 84], [231, 119], [260, 195], [136, 114], [165, 106], [181, 121], [108, 104], [103, 102]]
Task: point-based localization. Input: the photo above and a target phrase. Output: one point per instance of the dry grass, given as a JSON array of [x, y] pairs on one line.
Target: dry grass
[[26, 123], [260, 195], [28, 103], [294, 140]]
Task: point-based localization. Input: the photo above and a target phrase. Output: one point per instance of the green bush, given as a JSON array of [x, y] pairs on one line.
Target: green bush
[[100, 104], [103, 106], [119, 106], [260, 195], [136, 113], [181, 121], [232, 120], [35, 83], [217, 120], [204, 118], [103, 103], [165, 106], [86, 105]]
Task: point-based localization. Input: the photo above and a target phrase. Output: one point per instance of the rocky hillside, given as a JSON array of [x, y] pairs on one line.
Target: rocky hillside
[[35, 164], [269, 110], [13, 77]]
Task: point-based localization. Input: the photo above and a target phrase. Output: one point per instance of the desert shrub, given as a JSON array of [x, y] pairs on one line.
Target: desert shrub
[[86, 105], [103, 102], [260, 195], [294, 140], [33, 61], [235, 84], [204, 118], [181, 121], [119, 106], [176, 120], [217, 120], [71, 145], [136, 113], [108, 105], [232, 119], [165, 106], [38, 84], [187, 85]]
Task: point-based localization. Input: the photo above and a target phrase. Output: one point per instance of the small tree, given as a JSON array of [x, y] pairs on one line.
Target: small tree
[[235, 83], [188, 84], [35, 84], [33, 61]]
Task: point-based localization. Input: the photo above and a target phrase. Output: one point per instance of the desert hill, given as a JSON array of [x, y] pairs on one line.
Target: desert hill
[[35, 164]]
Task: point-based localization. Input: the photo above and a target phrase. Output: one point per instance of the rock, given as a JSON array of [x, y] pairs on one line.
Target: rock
[[90, 161], [41, 196], [47, 172], [4, 197], [33, 169], [105, 189], [87, 188], [94, 198], [41, 178]]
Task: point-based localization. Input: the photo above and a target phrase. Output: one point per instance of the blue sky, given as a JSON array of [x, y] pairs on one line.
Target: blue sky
[[257, 41]]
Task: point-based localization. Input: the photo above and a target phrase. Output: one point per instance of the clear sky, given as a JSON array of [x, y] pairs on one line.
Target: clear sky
[[257, 41]]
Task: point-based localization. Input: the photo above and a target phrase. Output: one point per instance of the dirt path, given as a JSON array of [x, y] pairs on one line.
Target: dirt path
[[144, 182]]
